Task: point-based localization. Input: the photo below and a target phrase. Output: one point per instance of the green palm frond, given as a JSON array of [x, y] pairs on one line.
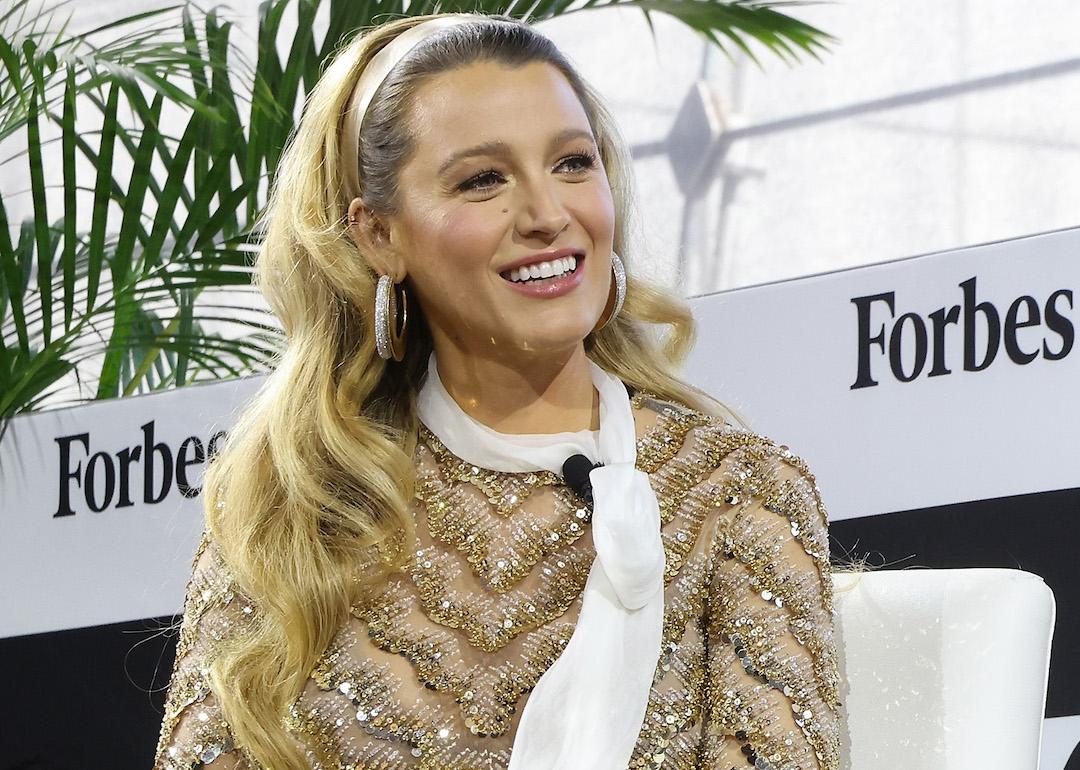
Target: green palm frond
[[150, 143]]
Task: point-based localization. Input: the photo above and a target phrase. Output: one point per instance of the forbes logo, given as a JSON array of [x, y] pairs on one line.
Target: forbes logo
[[929, 338], [106, 479]]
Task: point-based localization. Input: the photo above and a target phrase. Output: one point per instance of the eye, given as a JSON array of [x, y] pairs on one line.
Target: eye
[[472, 183], [587, 160]]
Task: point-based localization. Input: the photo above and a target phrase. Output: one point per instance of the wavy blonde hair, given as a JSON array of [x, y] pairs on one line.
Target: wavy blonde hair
[[318, 470]]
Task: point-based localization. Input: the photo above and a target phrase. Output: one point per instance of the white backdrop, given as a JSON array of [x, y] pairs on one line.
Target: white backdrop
[[122, 562], [786, 355]]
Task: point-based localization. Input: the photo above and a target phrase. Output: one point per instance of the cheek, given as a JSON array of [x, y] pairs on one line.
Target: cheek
[[601, 276], [601, 201], [453, 250], [598, 214], [600, 222], [467, 238]]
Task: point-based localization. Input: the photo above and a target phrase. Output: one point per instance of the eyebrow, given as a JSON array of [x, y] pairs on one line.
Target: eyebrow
[[502, 148]]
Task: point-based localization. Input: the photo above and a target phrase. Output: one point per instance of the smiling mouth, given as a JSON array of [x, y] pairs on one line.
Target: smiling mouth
[[541, 272]]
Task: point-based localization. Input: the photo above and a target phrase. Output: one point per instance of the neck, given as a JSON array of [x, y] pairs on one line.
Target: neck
[[537, 393]]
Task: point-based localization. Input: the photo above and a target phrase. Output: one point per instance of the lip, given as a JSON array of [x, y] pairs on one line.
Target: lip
[[550, 287], [543, 256]]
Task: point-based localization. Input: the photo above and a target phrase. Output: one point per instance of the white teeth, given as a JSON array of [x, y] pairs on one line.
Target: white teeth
[[545, 269]]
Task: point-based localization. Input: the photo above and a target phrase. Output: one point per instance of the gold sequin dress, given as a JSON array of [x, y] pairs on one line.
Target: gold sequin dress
[[434, 672]]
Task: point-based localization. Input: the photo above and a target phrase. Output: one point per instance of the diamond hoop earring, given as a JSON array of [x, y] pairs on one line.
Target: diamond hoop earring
[[615, 295], [389, 330]]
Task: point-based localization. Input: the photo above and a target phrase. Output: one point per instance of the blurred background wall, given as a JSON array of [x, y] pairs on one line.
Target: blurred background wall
[[932, 124]]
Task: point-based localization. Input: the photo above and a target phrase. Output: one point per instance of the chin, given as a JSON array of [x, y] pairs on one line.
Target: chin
[[554, 342]]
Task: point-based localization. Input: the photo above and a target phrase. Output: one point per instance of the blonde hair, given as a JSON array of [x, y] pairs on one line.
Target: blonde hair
[[318, 471]]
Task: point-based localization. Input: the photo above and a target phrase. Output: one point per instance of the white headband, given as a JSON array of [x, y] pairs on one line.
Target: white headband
[[373, 76]]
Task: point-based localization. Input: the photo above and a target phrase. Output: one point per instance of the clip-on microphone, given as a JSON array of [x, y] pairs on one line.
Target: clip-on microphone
[[576, 470]]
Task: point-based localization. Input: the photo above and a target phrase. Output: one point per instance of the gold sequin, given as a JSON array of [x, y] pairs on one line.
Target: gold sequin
[[434, 670]]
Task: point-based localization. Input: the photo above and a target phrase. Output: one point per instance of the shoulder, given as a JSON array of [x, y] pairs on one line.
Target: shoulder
[[723, 458], [194, 731], [757, 501], [673, 422], [215, 607]]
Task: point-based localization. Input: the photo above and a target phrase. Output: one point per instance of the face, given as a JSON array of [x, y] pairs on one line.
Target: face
[[469, 212]]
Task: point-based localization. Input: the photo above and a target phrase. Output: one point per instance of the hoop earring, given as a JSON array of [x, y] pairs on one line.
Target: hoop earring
[[616, 294], [389, 329]]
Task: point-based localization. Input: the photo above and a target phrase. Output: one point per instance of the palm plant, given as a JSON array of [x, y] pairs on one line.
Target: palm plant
[[127, 272]]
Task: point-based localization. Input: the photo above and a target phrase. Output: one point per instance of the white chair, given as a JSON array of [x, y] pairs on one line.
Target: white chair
[[943, 669]]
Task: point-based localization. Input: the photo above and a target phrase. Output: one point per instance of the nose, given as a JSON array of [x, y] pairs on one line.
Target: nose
[[541, 211]]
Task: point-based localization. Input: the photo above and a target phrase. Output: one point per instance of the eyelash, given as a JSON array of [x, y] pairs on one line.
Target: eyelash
[[589, 158]]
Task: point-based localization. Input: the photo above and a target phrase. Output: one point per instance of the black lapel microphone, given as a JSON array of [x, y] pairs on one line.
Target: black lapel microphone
[[575, 471]]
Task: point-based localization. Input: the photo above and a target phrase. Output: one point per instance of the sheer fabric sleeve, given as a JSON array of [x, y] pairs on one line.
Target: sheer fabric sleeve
[[194, 733], [771, 682]]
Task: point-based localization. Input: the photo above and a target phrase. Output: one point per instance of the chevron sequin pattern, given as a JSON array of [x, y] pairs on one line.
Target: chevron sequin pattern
[[434, 670]]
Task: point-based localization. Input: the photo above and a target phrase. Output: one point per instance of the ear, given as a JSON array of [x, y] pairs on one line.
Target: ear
[[371, 235]]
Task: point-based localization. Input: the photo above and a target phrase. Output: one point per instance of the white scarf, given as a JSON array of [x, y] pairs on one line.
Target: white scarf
[[588, 708]]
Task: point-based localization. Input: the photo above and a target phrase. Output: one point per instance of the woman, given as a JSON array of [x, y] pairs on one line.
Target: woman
[[398, 570]]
